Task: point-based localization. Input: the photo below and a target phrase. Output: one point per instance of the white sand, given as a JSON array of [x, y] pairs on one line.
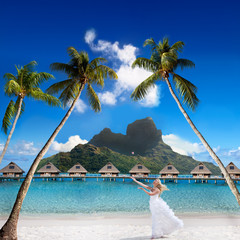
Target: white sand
[[124, 228]]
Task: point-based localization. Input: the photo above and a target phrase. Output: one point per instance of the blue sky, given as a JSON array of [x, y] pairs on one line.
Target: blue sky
[[43, 30]]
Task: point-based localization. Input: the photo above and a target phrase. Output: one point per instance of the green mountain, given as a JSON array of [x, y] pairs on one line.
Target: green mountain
[[142, 138]]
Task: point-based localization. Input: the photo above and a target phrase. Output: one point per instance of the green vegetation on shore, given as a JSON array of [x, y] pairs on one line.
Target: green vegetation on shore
[[94, 158]]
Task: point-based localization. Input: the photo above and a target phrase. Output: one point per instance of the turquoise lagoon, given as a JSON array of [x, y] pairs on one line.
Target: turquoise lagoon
[[105, 197]]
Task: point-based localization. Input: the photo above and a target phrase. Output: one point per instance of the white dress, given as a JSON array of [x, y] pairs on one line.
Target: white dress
[[163, 219]]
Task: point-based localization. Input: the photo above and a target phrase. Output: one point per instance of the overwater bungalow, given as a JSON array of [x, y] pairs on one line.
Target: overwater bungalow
[[169, 171], [201, 171], [139, 170], [77, 170], [233, 170], [48, 170], [12, 170], [109, 170]]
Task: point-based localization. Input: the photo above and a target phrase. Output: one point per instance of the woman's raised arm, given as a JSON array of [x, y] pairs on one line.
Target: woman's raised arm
[[141, 184]]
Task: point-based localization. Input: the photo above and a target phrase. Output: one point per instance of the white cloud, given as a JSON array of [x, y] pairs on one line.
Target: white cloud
[[1, 146], [69, 145], [23, 148], [153, 98], [107, 98], [234, 153], [182, 146], [90, 36], [80, 106], [128, 78]]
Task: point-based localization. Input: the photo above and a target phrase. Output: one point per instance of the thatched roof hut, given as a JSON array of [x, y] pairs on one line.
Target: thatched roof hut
[[169, 171], [233, 170], [48, 170], [201, 171], [12, 170], [109, 169], [77, 170], [139, 170]]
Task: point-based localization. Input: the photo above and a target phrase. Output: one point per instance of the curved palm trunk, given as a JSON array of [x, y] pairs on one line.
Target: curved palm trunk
[[9, 229], [229, 180], [12, 130]]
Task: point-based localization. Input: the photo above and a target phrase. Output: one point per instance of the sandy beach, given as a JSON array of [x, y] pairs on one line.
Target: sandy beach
[[124, 228]]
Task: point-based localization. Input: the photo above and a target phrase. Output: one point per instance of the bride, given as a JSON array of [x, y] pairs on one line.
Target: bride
[[163, 219]]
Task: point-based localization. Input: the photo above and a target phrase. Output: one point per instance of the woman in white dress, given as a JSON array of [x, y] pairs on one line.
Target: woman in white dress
[[163, 219]]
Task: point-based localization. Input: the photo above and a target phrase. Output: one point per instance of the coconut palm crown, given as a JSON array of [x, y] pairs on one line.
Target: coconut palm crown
[[25, 84], [163, 62], [81, 72]]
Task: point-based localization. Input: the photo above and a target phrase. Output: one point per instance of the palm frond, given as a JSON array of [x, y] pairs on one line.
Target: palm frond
[[177, 47], [63, 67], [38, 94], [105, 72], [73, 53], [68, 94], [30, 66], [150, 42], [97, 61], [146, 64], [184, 63], [34, 79], [12, 88], [186, 90], [59, 86], [143, 88], [9, 76], [93, 99], [8, 116]]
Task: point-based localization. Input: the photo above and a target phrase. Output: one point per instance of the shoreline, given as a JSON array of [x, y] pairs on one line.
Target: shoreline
[[122, 227]]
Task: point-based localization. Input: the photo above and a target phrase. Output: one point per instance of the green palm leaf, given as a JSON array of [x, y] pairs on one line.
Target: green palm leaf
[[143, 88], [93, 99], [150, 42], [8, 116], [187, 91], [38, 94], [12, 88], [184, 63], [63, 67], [68, 94], [146, 64], [59, 86]]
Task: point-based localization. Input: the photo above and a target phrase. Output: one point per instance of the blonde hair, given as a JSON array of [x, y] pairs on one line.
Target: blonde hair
[[161, 186]]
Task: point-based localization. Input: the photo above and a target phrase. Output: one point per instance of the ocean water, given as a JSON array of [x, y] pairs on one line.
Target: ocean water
[[104, 197]]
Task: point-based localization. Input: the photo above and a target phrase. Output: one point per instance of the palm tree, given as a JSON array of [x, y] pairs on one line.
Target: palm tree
[[81, 72], [24, 84], [163, 62]]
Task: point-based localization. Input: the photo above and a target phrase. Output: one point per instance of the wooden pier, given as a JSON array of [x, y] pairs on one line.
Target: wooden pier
[[119, 178]]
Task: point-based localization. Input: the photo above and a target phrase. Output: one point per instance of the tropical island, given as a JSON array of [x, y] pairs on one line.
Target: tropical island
[[142, 143]]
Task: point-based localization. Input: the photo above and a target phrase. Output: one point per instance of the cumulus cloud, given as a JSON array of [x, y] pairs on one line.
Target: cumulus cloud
[[90, 36], [234, 153], [128, 78], [182, 146], [80, 106], [69, 145], [23, 148], [107, 98]]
